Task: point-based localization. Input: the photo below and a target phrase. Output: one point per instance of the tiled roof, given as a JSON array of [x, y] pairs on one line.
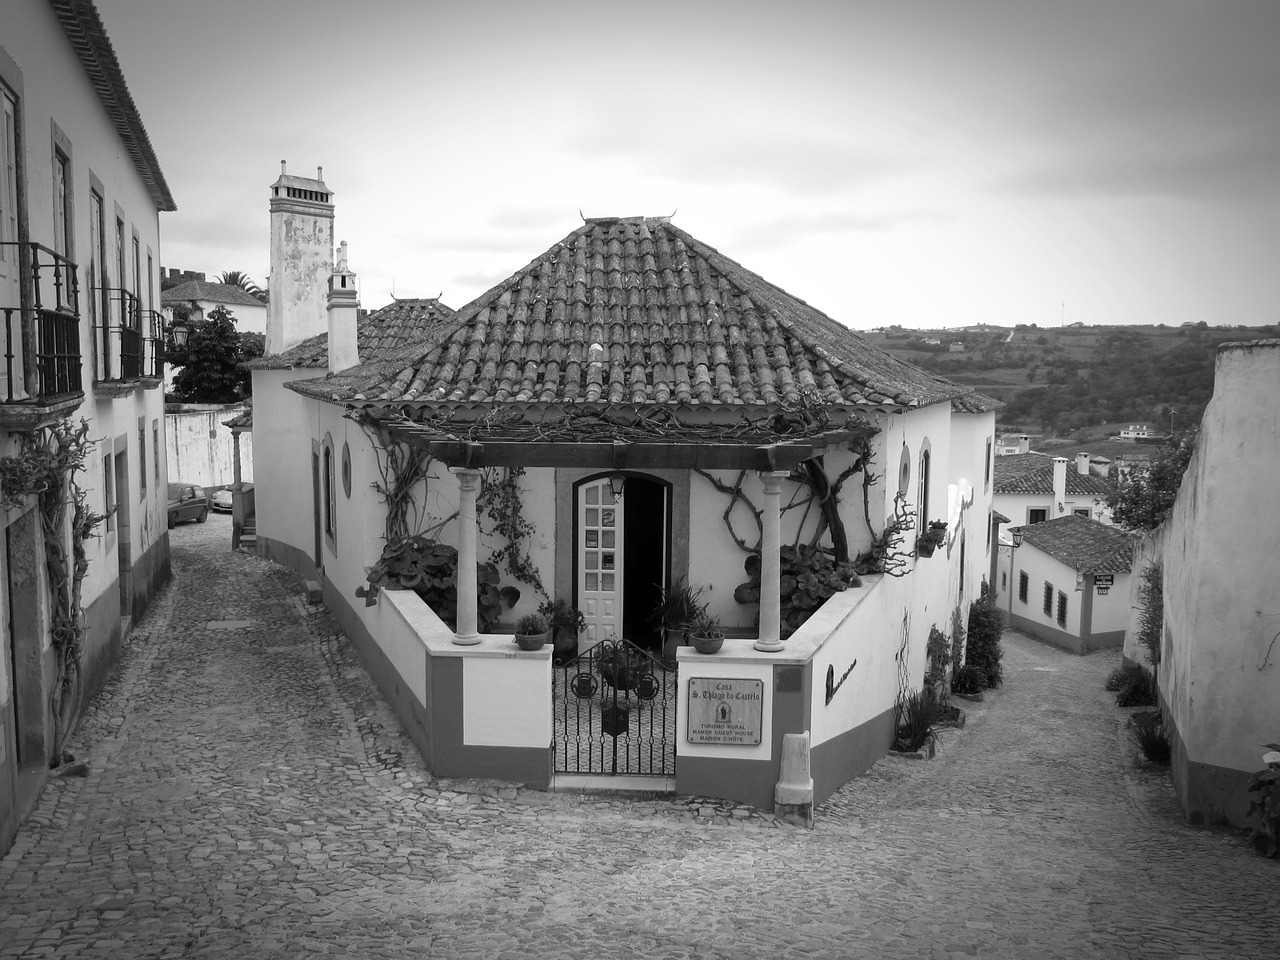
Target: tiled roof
[[215, 292], [1083, 544], [244, 420], [380, 336], [1033, 473], [635, 310], [83, 26], [976, 403]]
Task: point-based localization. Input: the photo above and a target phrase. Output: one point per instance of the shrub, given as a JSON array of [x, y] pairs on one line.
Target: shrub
[[1138, 691], [1149, 733], [1266, 784], [969, 681], [986, 625], [939, 653], [1123, 676], [1151, 611], [807, 579], [918, 715]]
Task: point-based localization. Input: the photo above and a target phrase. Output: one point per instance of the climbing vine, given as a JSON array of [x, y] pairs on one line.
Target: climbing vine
[[402, 467], [46, 468], [500, 499]]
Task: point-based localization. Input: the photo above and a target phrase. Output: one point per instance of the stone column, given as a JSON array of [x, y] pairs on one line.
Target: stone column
[[468, 486], [770, 565]]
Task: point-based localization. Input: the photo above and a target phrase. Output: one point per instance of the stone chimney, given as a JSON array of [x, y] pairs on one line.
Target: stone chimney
[[1059, 487], [1101, 466], [1082, 464], [1024, 443], [301, 259], [343, 307]]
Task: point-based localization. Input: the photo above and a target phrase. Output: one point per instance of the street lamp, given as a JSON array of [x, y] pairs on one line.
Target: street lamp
[[617, 484], [180, 332]]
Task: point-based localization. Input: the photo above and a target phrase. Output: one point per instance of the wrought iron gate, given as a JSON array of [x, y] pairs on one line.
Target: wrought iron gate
[[615, 713]]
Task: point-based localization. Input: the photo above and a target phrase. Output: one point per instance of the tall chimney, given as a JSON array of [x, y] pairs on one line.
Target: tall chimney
[[1024, 443], [301, 260], [1082, 464], [343, 306], [1059, 487]]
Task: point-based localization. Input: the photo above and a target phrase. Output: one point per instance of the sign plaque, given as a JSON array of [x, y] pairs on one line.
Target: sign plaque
[[725, 710], [1104, 580]]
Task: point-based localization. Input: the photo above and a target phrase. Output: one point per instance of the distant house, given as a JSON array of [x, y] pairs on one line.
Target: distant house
[[1068, 582], [1137, 431], [956, 346], [250, 313], [931, 341], [1010, 444], [1034, 487]]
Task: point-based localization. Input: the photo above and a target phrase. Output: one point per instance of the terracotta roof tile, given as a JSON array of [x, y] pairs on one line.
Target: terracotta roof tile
[[673, 320], [216, 292], [1083, 544], [1033, 473], [382, 337]]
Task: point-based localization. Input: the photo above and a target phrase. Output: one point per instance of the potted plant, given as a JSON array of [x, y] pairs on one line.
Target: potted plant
[[932, 538], [532, 631], [706, 634], [676, 609], [566, 622]]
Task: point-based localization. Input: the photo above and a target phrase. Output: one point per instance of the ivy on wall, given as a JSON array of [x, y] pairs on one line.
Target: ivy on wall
[[46, 468]]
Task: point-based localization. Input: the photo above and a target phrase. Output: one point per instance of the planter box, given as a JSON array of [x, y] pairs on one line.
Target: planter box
[[926, 752]]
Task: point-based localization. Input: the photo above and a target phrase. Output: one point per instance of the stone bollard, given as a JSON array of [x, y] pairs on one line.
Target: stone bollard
[[793, 795]]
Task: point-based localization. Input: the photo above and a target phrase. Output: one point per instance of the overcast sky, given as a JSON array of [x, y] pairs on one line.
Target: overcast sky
[[921, 162]]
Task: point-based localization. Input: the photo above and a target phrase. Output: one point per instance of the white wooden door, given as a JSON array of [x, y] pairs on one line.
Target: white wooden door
[[600, 561]]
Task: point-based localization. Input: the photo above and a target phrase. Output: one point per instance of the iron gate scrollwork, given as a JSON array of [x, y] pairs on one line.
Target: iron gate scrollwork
[[615, 712]]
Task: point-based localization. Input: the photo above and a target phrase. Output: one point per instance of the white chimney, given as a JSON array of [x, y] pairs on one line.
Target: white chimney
[[1024, 443], [1082, 464], [343, 305], [1102, 466], [301, 259], [1059, 487]]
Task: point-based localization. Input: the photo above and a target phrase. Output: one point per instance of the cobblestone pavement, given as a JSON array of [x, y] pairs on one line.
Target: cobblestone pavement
[[250, 796]]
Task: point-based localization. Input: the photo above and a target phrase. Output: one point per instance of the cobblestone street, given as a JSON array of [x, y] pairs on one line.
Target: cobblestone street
[[250, 796]]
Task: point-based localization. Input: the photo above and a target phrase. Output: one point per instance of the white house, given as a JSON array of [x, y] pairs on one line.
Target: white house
[[1136, 431], [1219, 669], [629, 356], [80, 196], [1034, 487], [203, 297], [1066, 581]]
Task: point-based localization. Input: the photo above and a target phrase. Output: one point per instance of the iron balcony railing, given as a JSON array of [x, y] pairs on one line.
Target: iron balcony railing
[[129, 338], [41, 330]]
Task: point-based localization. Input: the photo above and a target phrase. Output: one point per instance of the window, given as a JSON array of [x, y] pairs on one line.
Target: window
[[986, 479], [1024, 582], [1048, 599], [922, 496], [1037, 515], [142, 459], [137, 268], [151, 283], [108, 493], [121, 271], [62, 231], [97, 263], [1081, 512], [8, 176], [155, 450], [1004, 580], [1062, 609], [330, 504]]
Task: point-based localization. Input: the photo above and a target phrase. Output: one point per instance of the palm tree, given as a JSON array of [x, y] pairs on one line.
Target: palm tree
[[234, 278]]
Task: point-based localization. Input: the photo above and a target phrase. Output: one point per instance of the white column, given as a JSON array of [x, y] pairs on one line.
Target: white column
[[468, 486], [771, 565]]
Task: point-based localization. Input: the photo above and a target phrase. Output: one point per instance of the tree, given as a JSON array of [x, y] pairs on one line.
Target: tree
[[234, 278], [213, 361], [1145, 497]]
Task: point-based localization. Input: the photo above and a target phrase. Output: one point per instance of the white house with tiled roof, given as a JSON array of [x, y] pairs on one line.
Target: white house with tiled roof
[[1066, 581], [664, 414], [81, 192], [250, 313], [1034, 487]]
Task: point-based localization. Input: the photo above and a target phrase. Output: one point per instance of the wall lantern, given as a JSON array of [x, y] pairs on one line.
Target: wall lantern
[[617, 484], [180, 332], [1017, 536]]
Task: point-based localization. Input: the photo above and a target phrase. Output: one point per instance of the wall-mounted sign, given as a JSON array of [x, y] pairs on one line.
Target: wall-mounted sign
[[1104, 580], [726, 710]]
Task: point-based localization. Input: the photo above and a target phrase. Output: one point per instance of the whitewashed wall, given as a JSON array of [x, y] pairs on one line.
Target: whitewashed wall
[[199, 449]]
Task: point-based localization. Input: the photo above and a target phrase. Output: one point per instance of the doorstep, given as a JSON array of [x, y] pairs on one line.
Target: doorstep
[[639, 788]]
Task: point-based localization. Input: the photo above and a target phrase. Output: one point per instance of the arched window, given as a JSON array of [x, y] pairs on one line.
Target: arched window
[[330, 504], [922, 489]]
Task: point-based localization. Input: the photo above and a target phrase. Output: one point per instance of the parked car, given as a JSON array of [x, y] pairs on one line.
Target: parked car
[[221, 500], [187, 501]]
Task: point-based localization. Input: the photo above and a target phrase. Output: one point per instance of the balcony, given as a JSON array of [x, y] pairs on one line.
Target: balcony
[[127, 343], [40, 377]]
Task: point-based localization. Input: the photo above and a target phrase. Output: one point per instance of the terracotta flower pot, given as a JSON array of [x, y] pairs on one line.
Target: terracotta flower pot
[[706, 644], [532, 641]]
